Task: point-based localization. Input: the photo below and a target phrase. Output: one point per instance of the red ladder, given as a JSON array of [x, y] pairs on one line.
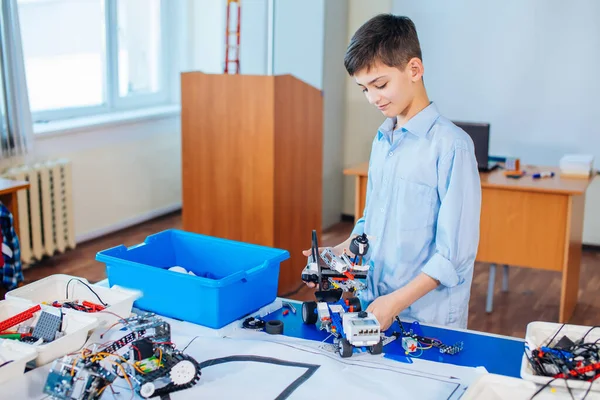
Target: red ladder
[[228, 33]]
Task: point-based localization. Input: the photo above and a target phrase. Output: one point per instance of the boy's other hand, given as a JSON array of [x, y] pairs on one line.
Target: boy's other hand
[[385, 310]]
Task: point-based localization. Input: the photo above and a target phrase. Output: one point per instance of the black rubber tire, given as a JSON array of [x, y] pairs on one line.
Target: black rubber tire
[[309, 315], [345, 348], [274, 327], [376, 348], [355, 303]]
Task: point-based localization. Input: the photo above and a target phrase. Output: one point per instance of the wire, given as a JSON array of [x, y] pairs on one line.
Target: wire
[[556, 334], [542, 388], [139, 353], [588, 332], [293, 292], [125, 375], [183, 351], [88, 286]]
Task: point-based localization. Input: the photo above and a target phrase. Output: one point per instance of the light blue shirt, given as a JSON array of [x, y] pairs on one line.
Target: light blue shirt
[[421, 214]]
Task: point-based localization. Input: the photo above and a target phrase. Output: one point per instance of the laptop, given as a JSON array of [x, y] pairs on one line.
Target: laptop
[[480, 134]]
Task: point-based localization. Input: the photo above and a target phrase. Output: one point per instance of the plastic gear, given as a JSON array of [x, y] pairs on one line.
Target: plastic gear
[[147, 390], [183, 372]]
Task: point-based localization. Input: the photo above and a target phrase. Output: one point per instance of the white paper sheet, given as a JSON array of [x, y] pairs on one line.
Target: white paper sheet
[[360, 376]]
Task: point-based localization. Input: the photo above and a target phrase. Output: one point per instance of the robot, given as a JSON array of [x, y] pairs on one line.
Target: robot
[[145, 357], [342, 318]]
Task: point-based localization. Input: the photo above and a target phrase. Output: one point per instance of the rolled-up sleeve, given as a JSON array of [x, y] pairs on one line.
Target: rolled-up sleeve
[[457, 230]]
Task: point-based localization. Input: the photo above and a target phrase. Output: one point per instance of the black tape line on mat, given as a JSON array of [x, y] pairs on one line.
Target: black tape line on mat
[[310, 369]]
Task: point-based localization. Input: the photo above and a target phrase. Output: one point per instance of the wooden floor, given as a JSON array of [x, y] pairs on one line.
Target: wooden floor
[[532, 296]]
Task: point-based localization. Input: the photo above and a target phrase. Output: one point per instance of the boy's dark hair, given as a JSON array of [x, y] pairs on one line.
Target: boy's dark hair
[[387, 38]]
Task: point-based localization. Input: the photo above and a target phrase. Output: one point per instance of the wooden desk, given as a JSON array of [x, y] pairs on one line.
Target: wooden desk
[[8, 197], [535, 223]]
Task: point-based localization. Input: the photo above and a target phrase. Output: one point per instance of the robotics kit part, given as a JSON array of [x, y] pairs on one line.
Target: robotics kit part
[[443, 348], [274, 327], [349, 327], [360, 245], [409, 344], [145, 357], [361, 328], [253, 323]]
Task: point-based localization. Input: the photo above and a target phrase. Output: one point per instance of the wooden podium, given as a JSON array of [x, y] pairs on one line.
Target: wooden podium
[[252, 155]]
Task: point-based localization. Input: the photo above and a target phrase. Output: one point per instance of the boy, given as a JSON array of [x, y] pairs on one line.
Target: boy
[[423, 193]]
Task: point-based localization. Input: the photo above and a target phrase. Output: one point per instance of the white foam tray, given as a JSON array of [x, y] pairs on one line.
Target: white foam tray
[[54, 287], [498, 387], [76, 326], [19, 353], [538, 334]]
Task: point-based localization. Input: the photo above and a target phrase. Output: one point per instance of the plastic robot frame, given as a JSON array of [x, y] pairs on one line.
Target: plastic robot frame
[[343, 318], [145, 358]]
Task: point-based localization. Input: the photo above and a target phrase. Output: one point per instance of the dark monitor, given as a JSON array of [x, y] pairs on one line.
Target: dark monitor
[[480, 134]]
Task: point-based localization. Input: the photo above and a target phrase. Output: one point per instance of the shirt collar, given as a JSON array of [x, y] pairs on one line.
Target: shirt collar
[[418, 125]]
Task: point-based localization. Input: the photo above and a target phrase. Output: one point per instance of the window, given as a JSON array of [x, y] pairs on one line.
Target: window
[[86, 57]]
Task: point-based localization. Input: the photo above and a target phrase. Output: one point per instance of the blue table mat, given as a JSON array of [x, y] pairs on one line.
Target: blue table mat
[[499, 355]]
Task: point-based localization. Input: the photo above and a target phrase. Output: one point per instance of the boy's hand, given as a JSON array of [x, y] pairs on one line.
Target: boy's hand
[[385, 310]]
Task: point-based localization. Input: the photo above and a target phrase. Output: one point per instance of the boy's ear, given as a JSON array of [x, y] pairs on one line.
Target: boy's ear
[[415, 66]]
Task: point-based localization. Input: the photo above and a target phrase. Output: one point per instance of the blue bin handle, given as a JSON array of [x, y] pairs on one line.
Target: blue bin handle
[[244, 276], [252, 272]]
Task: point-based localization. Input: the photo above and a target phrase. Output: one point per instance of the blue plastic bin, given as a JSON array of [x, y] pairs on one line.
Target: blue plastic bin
[[233, 278]]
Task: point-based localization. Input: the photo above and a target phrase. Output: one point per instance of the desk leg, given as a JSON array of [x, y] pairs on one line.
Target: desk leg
[[505, 278], [11, 202], [489, 302], [572, 259], [360, 195]]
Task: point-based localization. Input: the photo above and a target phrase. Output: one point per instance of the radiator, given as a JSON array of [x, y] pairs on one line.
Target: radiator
[[45, 209]]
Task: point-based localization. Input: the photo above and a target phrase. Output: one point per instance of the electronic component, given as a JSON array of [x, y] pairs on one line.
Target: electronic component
[[360, 245], [323, 315], [145, 357], [143, 349], [430, 342], [409, 344], [361, 328], [73, 378]]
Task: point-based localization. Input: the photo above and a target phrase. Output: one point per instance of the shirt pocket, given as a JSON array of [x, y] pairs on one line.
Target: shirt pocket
[[416, 202]]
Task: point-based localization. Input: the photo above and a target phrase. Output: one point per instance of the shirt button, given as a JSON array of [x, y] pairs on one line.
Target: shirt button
[[391, 153], [382, 209]]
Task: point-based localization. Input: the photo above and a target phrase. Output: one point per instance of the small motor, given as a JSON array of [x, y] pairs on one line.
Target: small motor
[[360, 245]]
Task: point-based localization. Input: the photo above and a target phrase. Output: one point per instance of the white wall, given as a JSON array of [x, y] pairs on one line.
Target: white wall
[[122, 174], [254, 37], [334, 92], [529, 68], [298, 40], [362, 119]]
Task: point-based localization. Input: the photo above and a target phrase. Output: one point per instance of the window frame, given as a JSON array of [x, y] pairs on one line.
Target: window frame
[[113, 103]]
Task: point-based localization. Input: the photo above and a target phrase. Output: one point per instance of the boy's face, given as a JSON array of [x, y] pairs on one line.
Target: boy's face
[[390, 89]]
